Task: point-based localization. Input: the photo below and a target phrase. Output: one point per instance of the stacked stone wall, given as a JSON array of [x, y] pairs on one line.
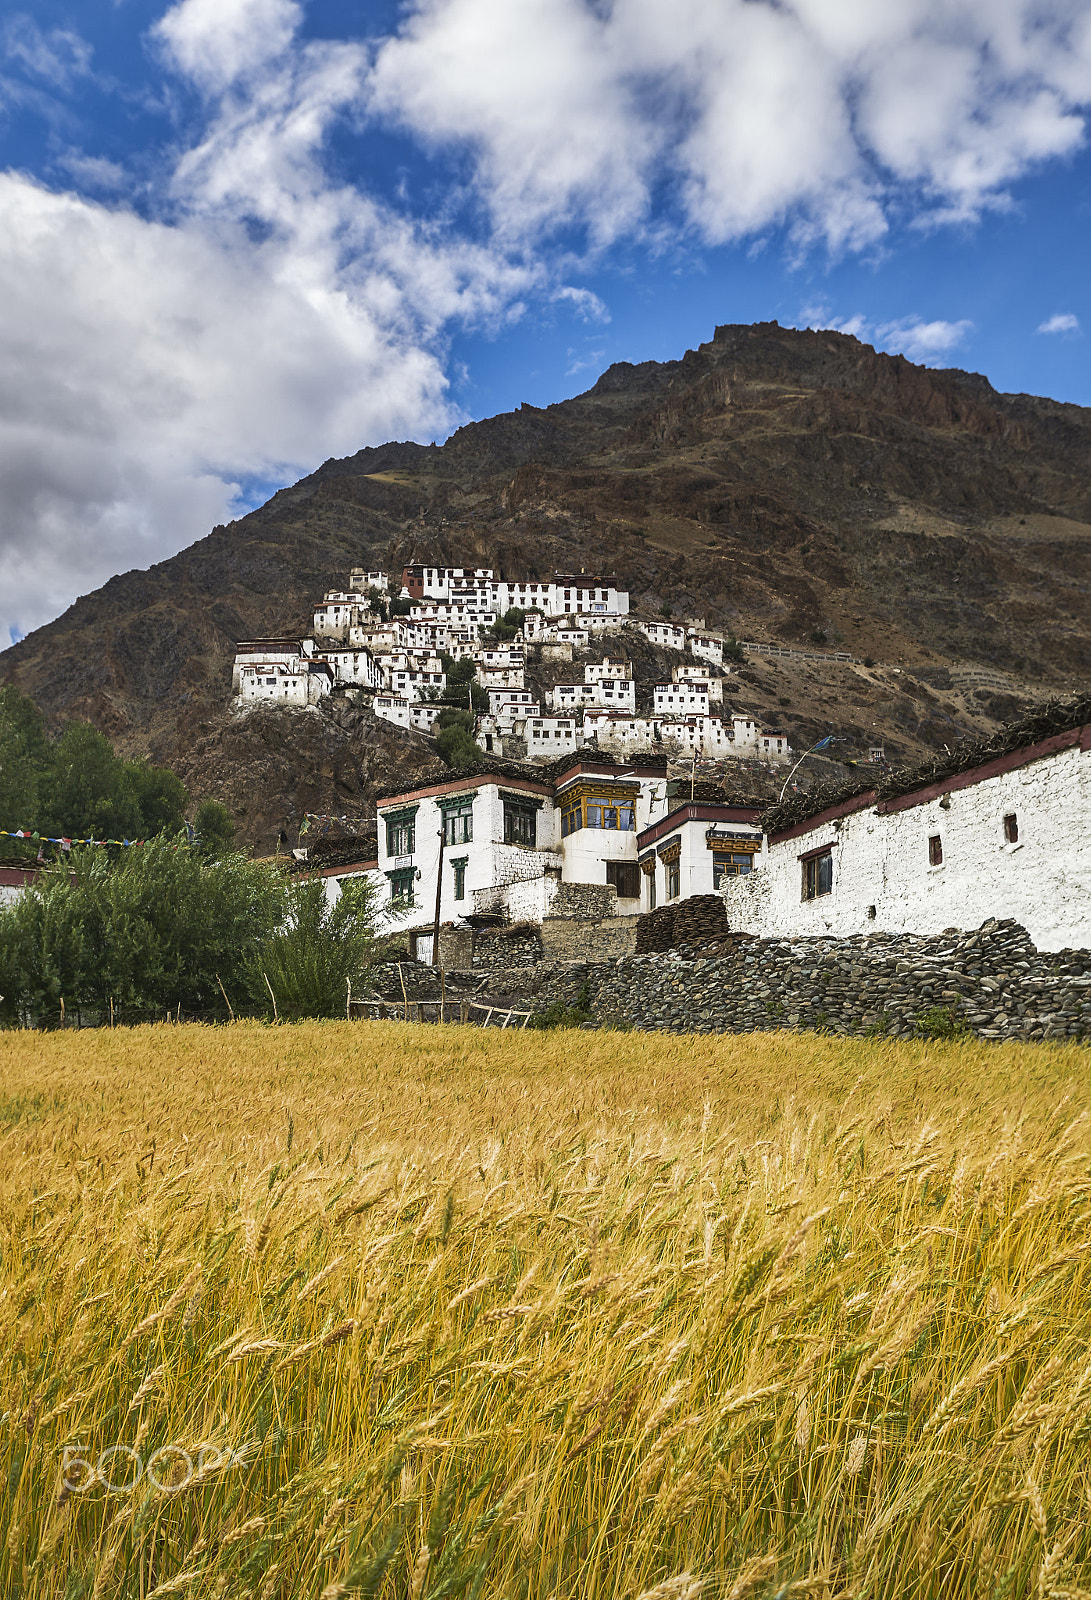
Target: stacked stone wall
[[993, 982], [699, 919], [499, 950]]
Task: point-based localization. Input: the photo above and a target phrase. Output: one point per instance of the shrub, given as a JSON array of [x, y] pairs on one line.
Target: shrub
[[939, 1022], [213, 828], [818, 637], [159, 928], [305, 967], [869, 661], [558, 1014]]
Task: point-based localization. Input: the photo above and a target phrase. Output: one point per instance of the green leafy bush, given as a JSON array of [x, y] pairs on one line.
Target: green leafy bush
[[304, 969], [558, 1014], [157, 928], [939, 1022]]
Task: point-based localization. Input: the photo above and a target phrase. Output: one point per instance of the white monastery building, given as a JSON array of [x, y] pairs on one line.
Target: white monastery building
[[509, 844], [1010, 837], [696, 849]]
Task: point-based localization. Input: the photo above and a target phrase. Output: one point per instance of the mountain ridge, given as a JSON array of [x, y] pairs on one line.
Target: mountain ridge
[[777, 482]]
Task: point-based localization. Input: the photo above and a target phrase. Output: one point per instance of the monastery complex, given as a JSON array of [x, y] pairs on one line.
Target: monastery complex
[[592, 828]]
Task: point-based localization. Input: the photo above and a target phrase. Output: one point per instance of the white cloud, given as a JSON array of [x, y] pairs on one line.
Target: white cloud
[[216, 42], [814, 113], [94, 172], [1061, 322], [152, 366], [55, 57], [147, 368], [924, 342]]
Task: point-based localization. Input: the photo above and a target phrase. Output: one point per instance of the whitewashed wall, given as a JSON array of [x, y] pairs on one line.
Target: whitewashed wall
[[489, 862], [1044, 881]]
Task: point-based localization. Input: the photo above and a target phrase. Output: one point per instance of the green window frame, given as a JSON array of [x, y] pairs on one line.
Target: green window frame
[[458, 868], [401, 832], [520, 825], [401, 886], [458, 823], [457, 813]]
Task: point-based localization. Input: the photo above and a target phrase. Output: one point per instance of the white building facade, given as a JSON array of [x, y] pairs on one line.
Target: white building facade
[[495, 832], [1011, 838], [696, 849]]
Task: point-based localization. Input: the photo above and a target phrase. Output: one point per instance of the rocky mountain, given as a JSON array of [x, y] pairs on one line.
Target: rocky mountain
[[788, 485]]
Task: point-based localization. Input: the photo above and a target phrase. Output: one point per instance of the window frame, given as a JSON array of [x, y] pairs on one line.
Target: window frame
[[401, 886], [674, 879], [935, 849], [1011, 828], [458, 869], [458, 823], [624, 874], [521, 825], [817, 866]]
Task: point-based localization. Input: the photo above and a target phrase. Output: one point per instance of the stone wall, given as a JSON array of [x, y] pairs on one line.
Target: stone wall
[[993, 981], [571, 939], [499, 950], [699, 919]]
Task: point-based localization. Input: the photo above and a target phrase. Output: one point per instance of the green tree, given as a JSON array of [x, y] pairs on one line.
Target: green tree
[[214, 828], [462, 685], [87, 791], [24, 756], [309, 963], [455, 738], [154, 929], [161, 796]]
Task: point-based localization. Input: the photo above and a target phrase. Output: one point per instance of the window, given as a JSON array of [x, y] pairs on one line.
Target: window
[[459, 870], [1011, 829], [520, 826], [935, 851], [625, 877], [609, 813], [674, 879], [401, 836], [818, 875], [651, 890], [730, 866], [458, 823], [401, 886]]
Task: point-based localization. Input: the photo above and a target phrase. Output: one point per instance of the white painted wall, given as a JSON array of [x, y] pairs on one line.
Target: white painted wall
[[1044, 881], [681, 699], [489, 861], [552, 736]]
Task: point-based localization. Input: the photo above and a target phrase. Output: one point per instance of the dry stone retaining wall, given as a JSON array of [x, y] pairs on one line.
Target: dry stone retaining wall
[[992, 981]]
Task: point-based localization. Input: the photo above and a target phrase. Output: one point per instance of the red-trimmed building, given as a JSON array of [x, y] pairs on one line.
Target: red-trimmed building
[[1009, 836], [15, 876], [696, 849]]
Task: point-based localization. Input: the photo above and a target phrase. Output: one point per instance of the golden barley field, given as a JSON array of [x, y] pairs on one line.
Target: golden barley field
[[392, 1311]]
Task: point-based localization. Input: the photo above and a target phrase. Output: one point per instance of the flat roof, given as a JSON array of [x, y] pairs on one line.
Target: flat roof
[[470, 781], [696, 811]]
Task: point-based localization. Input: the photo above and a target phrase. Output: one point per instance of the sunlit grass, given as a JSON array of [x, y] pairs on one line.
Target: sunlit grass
[[455, 1312]]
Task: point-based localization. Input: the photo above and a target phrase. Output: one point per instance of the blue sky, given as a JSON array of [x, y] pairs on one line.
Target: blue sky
[[241, 236]]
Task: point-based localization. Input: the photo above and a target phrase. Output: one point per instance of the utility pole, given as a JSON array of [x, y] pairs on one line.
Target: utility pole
[[439, 890]]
